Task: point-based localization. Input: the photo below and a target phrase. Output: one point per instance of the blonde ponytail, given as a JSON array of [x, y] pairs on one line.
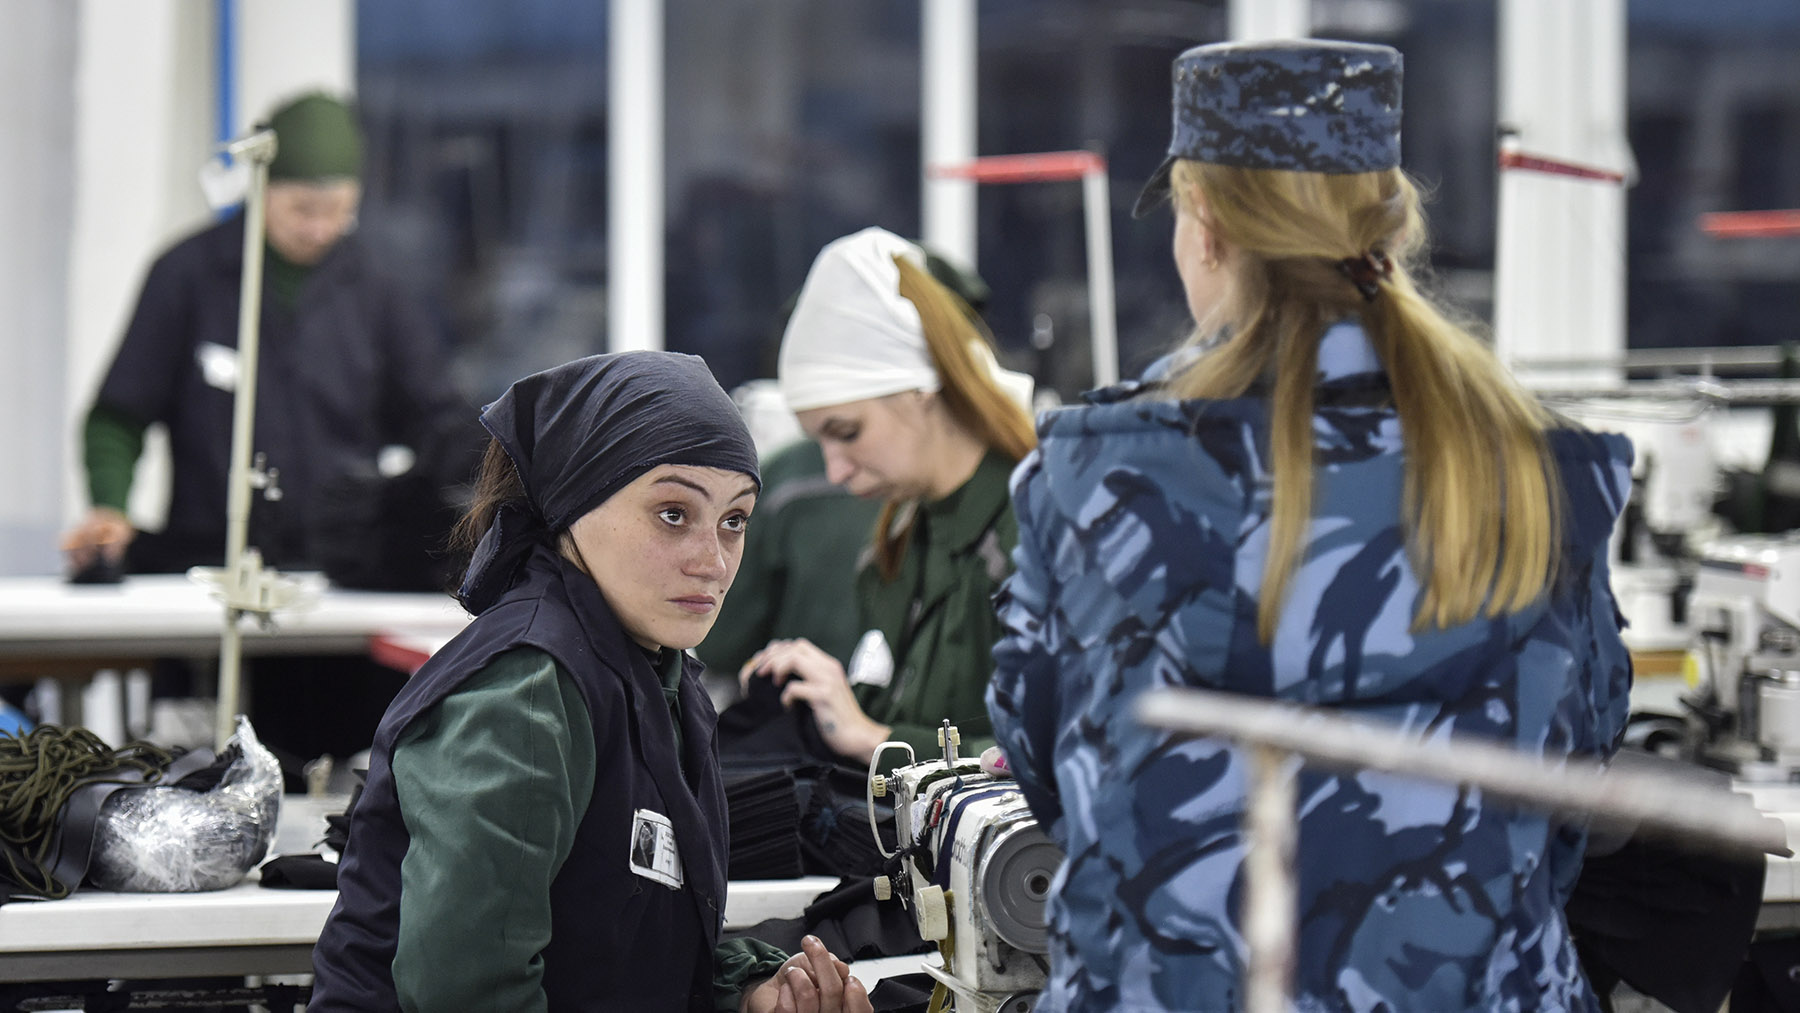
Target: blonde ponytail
[[1482, 501]]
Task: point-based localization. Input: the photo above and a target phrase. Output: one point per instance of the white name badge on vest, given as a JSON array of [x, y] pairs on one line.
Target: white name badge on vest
[[653, 853], [218, 365], [872, 663]]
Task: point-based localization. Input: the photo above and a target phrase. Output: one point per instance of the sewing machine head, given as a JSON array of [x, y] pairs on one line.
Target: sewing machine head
[[975, 870]]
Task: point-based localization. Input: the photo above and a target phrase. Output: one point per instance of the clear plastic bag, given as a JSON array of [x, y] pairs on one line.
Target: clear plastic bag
[[166, 839]]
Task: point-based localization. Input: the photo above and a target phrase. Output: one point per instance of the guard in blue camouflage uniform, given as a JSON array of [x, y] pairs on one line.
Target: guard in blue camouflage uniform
[[1338, 498]]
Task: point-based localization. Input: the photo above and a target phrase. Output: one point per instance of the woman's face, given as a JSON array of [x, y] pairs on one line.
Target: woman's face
[[1199, 261], [879, 448], [665, 549]]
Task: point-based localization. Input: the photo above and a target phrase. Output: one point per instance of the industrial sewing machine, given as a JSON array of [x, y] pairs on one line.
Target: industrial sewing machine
[[975, 870], [1745, 659]]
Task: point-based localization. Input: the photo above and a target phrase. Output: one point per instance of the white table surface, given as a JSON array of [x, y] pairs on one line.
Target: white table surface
[[248, 929], [1781, 885], [168, 615]]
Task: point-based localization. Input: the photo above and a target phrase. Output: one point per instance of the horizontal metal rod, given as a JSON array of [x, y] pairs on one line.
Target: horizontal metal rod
[[1728, 357], [1727, 392], [1678, 811]]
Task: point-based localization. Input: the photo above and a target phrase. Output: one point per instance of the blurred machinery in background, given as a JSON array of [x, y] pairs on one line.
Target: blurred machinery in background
[[1688, 581], [975, 870], [1673, 489], [1745, 657]]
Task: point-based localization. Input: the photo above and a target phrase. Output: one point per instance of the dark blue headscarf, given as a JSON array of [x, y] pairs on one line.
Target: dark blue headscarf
[[584, 430]]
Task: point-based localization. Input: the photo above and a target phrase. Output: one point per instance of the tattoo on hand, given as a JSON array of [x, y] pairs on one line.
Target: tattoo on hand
[[828, 727]]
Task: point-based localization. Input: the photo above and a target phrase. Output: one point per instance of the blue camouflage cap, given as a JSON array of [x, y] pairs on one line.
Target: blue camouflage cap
[[1303, 105]]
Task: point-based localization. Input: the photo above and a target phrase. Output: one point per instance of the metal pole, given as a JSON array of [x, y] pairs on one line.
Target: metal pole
[[634, 197], [1097, 202], [1271, 892], [1687, 814], [1253, 20], [947, 126], [259, 149]]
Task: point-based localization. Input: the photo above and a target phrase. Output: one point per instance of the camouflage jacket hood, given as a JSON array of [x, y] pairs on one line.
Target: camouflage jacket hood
[[1143, 530]]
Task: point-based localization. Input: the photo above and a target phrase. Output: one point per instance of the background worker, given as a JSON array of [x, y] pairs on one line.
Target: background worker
[[811, 536], [893, 376], [349, 363]]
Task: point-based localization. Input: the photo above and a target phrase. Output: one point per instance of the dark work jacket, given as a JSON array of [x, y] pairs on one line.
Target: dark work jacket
[[619, 942], [354, 366]]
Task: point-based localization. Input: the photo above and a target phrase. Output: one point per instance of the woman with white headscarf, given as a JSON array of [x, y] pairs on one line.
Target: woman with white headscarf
[[893, 376]]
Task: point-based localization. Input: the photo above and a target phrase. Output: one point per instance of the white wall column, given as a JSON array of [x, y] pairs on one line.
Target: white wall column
[[634, 183], [1251, 20], [1560, 263], [947, 118], [286, 47], [37, 59]]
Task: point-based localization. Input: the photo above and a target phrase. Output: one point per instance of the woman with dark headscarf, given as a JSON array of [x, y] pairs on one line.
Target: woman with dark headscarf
[[543, 823]]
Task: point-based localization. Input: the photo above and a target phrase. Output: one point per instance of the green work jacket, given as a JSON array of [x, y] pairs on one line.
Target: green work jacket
[[937, 615]]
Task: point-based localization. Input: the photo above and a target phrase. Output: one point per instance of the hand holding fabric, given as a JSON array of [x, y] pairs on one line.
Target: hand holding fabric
[[808, 675]]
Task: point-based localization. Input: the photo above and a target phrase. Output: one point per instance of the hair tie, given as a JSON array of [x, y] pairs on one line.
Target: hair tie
[[1367, 271]]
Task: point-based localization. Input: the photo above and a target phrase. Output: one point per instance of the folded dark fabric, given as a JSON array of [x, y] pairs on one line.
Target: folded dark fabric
[[851, 921], [1675, 925], [299, 872], [765, 826], [1769, 981], [902, 993]]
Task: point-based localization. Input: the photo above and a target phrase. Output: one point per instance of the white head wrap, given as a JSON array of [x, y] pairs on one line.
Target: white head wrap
[[852, 335]]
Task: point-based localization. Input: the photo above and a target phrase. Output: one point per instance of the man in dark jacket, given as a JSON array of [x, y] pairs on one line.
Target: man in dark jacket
[[348, 365]]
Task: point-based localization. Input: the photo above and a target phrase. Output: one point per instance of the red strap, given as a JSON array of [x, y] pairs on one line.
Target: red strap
[[1557, 167], [1049, 166], [1750, 224]]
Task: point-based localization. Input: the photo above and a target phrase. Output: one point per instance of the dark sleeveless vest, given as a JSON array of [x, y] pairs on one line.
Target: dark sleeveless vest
[[618, 941]]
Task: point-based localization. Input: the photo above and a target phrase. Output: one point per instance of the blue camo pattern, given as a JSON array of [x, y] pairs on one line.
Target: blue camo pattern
[[1312, 106], [1143, 526]]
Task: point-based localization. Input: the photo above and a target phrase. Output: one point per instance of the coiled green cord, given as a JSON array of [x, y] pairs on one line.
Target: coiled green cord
[[38, 773]]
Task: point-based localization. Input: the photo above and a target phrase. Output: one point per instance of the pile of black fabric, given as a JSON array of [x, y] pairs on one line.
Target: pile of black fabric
[[311, 870], [765, 826], [760, 743], [1673, 924]]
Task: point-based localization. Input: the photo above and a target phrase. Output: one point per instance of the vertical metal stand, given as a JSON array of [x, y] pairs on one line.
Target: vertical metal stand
[[1096, 198], [243, 567], [1271, 894]]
